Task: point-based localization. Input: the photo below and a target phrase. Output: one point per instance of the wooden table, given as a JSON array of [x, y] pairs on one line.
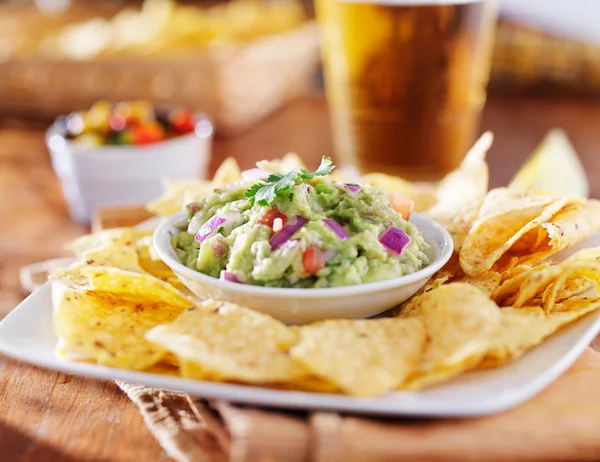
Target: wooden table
[[48, 416]]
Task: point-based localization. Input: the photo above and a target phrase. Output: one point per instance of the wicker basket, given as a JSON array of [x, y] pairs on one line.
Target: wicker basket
[[530, 60], [236, 86]]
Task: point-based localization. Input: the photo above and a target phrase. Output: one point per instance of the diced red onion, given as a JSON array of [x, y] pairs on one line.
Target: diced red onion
[[394, 239], [336, 228], [255, 174], [211, 227], [227, 276], [351, 188], [290, 228]]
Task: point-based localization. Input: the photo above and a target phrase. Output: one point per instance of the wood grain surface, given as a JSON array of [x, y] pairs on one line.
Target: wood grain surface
[[48, 416]]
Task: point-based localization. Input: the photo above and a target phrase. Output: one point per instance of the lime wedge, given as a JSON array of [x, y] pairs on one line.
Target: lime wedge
[[553, 169]]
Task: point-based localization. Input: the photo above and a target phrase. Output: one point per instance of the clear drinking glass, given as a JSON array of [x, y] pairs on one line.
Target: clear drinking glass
[[406, 81]]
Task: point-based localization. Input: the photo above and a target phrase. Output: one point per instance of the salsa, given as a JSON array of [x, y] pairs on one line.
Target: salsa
[[300, 230]]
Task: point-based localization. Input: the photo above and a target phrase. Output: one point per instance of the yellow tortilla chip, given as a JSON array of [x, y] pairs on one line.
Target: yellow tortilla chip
[[175, 195], [520, 329], [109, 328], [227, 173], [551, 281], [569, 271], [460, 194], [514, 229], [155, 266], [95, 240], [362, 357], [222, 341], [288, 162], [119, 252], [459, 321], [141, 285]]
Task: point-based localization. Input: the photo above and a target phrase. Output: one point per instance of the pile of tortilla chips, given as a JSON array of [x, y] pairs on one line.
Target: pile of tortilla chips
[[500, 295]]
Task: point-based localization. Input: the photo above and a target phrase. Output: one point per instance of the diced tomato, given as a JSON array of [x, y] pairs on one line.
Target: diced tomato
[[269, 216], [313, 260], [182, 121], [147, 133], [401, 204]]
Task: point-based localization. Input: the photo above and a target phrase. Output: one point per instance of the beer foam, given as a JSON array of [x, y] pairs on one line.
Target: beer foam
[[410, 2]]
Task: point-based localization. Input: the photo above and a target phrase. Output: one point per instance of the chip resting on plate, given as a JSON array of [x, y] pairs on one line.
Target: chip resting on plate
[[550, 282], [154, 265], [118, 252], [516, 228], [460, 321], [520, 329], [141, 285], [95, 240], [109, 328], [362, 357], [224, 342]]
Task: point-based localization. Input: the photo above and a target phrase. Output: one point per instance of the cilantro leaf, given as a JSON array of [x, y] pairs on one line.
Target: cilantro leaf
[[325, 168], [278, 185]]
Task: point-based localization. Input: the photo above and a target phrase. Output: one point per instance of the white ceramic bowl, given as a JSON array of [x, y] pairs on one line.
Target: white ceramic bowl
[[299, 306], [125, 175]]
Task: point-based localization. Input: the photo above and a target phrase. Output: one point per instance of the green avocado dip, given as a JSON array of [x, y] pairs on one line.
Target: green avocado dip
[[299, 230]]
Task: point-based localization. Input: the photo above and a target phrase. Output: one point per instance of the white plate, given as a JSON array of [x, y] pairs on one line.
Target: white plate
[[27, 334]]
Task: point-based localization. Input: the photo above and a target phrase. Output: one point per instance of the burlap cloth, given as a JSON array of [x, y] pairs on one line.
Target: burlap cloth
[[560, 424]]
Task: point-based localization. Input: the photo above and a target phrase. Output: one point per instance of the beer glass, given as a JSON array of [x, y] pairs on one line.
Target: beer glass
[[405, 81]]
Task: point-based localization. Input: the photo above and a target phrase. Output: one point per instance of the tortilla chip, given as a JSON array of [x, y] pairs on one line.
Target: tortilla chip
[[487, 282], [362, 357], [156, 267], [227, 173], [95, 240], [460, 194], [572, 224], [118, 252], [551, 282], [460, 321], [569, 271], [143, 286], [287, 163], [109, 328], [514, 229], [523, 328], [174, 199], [224, 342], [388, 183]]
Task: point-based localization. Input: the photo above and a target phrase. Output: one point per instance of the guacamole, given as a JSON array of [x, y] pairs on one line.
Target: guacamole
[[299, 230]]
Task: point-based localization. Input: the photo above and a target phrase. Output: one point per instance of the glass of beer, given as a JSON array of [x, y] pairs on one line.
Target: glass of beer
[[405, 81]]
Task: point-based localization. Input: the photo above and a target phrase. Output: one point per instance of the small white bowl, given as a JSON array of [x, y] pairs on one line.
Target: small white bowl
[[125, 175], [300, 306]]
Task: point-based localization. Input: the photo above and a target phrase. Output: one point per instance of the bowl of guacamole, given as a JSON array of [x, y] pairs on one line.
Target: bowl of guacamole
[[297, 233], [299, 230]]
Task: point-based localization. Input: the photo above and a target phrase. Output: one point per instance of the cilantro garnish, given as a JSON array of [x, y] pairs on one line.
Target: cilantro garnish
[[221, 230], [278, 184]]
